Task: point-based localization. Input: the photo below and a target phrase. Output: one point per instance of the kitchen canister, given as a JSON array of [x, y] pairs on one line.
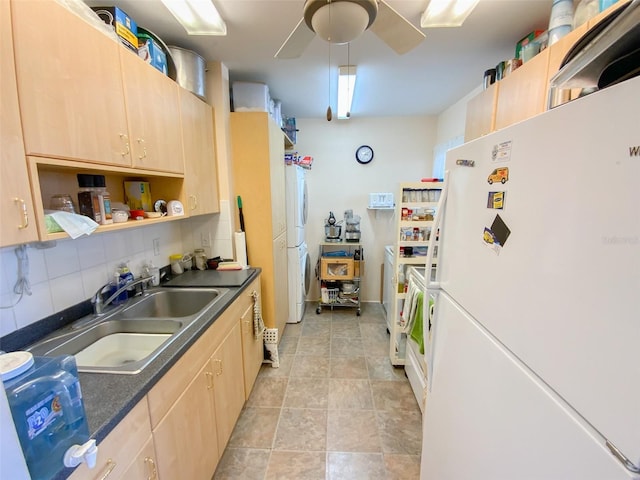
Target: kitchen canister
[[561, 20], [190, 70]]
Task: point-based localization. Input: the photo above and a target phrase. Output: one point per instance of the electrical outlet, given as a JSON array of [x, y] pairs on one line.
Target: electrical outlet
[[205, 239], [156, 246]]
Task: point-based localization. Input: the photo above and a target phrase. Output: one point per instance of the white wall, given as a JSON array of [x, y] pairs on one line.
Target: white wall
[[452, 121], [72, 270], [403, 149]]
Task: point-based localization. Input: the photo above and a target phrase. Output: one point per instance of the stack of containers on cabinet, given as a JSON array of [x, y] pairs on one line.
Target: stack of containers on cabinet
[[255, 97]]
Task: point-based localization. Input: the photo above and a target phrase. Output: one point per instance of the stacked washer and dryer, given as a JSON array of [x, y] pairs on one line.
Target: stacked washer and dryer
[[297, 251]]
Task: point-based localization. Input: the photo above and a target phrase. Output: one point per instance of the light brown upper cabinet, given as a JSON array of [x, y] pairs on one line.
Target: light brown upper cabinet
[[16, 206], [83, 96], [522, 92], [153, 114], [481, 113], [201, 177], [69, 85]]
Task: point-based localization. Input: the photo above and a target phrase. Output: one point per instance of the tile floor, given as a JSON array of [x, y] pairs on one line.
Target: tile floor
[[335, 409]]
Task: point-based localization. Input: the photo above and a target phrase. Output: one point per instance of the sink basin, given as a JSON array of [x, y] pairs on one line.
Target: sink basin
[[170, 303], [128, 339], [119, 349], [114, 344]]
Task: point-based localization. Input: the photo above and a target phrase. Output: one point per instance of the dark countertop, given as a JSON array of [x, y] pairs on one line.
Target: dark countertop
[[109, 397]]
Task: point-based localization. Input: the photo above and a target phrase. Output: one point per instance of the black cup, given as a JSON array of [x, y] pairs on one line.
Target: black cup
[[489, 78]]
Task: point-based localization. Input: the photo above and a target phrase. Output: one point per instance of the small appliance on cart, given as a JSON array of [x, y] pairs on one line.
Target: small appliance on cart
[[340, 271]]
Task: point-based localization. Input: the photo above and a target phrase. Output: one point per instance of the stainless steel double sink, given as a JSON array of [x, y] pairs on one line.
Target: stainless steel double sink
[[128, 339]]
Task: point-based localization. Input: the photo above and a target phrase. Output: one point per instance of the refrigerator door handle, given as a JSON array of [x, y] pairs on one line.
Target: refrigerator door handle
[[622, 459], [428, 312]]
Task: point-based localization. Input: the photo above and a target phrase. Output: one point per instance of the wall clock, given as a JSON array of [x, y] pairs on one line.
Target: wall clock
[[364, 154]]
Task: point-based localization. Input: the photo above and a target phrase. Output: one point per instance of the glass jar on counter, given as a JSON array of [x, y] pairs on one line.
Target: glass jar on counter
[[200, 259]]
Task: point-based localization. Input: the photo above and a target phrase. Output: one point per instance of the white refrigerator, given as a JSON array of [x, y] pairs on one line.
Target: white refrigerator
[[534, 349]]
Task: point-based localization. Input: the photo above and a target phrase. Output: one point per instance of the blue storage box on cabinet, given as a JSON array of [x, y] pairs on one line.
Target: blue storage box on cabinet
[[125, 27], [152, 53]]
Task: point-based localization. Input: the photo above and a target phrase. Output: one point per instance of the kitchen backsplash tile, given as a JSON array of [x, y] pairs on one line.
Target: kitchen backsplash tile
[[35, 306], [7, 270], [93, 278], [62, 259], [7, 317], [66, 291], [72, 270], [91, 251]]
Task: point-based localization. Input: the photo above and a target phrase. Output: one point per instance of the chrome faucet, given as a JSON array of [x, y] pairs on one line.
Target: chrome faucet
[[99, 305]]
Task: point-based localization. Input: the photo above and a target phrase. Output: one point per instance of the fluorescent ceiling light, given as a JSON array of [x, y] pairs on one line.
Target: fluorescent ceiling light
[[447, 13], [346, 85], [198, 17]]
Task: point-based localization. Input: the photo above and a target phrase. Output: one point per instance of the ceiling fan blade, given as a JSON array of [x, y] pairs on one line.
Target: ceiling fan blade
[[296, 42], [395, 30]]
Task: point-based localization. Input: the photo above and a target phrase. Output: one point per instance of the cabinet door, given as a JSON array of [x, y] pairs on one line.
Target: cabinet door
[[201, 178], [276, 156], [16, 207], [281, 286], [70, 91], [153, 114], [522, 93], [185, 438], [144, 465], [120, 448], [252, 347], [226, 364], [481, 113]]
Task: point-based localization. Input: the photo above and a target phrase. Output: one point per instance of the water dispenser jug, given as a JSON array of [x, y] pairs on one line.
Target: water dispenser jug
[[46, 405]]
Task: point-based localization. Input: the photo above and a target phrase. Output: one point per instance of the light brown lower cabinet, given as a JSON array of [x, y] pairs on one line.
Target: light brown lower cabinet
[[186, 439], [127, 453], [144, 467], [252, 346], [192, 435], [195, 406], [180, 429]]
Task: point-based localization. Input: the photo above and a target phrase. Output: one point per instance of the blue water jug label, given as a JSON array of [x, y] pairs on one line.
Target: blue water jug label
[[43, 414]]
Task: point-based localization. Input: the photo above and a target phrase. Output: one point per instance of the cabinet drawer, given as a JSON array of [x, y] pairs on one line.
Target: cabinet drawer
[[336, 268], [119, 449]]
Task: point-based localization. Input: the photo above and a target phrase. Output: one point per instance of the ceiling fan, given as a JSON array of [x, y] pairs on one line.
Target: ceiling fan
[[341, 21]]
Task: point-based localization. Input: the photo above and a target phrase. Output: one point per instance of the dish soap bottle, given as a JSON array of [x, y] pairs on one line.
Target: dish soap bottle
[[124, 277]]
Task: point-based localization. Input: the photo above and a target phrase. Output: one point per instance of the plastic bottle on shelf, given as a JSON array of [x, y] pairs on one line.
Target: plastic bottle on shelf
[[104, 198], [401, 285]]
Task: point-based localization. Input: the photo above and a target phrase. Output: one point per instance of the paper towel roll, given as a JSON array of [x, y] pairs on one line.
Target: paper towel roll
[[241, 248]]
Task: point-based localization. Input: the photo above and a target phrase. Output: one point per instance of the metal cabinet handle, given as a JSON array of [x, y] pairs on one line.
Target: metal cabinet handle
[[144, 149], [219, 363], [25, 214], [110, 466], [209, 380], [126, 144], [152, 467], [193, 201]]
